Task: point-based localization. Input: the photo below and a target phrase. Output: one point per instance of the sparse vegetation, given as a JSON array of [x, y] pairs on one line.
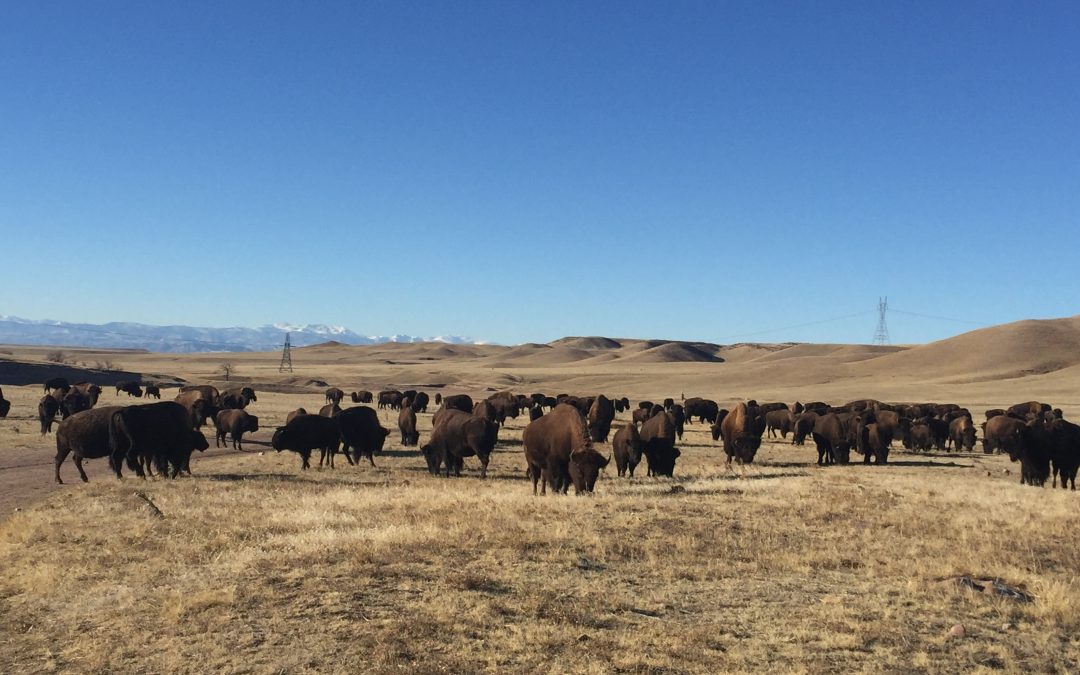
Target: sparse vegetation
[[226, 369], [56, 356], [107, 364]]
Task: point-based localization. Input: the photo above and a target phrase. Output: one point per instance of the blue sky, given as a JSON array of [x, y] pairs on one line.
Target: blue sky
[[520, 171]]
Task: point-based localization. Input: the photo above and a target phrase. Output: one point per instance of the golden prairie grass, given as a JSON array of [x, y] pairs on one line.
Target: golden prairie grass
[[257, 567]]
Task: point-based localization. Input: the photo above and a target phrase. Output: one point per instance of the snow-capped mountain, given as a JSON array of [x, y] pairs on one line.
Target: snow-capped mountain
[[14, 330]]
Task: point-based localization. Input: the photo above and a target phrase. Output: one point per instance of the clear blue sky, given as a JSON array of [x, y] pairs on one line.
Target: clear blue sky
[[520, 171]]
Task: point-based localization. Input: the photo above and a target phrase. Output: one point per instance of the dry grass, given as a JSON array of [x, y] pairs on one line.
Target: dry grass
[[259, 568]]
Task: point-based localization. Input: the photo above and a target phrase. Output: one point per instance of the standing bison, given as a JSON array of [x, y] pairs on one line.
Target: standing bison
[[626, 447], [559, 451], [601, 414], [456, 436], [407, 425], [658, 444], [305, 433], [153, 433], [84, 435], [741, 430], [334, 395], [234, 422], [361, 433]]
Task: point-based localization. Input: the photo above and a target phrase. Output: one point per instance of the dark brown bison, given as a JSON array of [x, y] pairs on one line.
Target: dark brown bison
[[601, 414], [153, 433], [48, 407], [679, 415], [1064, 451], [640, 415], [389, 398], [872, 440], [504, 408], [1022, 410], [621, 404], [60, 383], [438, 398], [74, 401], [832, 439], [994, 412], [918, 437], [1034, 451], [485, 410], [153, 391], [458, 435], [702, 408], [668, 404], [535, 413], [407, 425], [305, 433], [779, 421], [362, 396], [361, 434], [334, 395], [462, 402], [717, 427], [84, 435], [658, 444], [764, 408], [294, 414], [819, 407], [559, 452], [238, 398], [626, 447], [235, 422], [962, 434], [645, 405], [803, 427], [741, 430], [91, 391], [422, 401], [130, 388]]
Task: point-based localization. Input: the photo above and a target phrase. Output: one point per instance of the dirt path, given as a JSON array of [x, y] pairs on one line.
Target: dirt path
[[27, 475]]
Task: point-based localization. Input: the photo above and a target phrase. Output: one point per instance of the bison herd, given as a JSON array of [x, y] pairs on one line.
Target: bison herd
[[559, 441]]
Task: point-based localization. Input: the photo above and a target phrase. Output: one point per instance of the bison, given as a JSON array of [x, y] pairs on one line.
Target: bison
[[601, 415], [832, 440], [362, 396], [962, 434], [153, 391], [559, 451], [157, 433], [48, 407], [456, 436], [658, 444], [305, 433], [741, 430], [84, 435], [234, 422], [702, 408], [130, 388], [407, 426], [334, 395], [626, 447], [361, 434]]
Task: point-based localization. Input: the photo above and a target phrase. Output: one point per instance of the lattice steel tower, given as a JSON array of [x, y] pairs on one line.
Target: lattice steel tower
[[286, 356], [881, 335]]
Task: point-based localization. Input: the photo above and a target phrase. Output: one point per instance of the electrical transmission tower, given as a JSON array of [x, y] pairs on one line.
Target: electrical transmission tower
[[881, 335], [286, 356]]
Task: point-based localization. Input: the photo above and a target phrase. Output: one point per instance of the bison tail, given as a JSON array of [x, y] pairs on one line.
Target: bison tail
[[120, 442]]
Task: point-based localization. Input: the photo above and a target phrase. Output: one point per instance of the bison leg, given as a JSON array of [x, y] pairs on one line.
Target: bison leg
[[484, 465], [78, 465]]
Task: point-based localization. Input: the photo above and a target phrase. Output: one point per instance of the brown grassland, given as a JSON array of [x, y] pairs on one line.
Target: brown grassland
[[253, 566]]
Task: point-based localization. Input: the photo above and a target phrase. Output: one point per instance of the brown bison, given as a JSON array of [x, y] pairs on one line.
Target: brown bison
[[334, 395], [407, 426], [329, 410], [238, 398], [962, 434], [559, 451], [741, 430], [200, 403], [390, 398], [626, 447], [485, 410], [462, 402], [779, 421], [658, 444], [48, 407], [361, 434], [234, 422], [305, 433], [294, 414], [803, 427], [1003, 433], [60, 383], [535, 413], [153, 433], [601, 414], [91, 391], [702, 408], [130, 388], [84, 435], [456, 436], [362, 396], [153, 391], [832, 439], [74, 401]]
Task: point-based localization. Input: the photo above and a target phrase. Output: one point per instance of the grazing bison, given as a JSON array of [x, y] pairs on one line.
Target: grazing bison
[[741, 430], [962, 434], [658, 444], [361, 434], [832, 440], [462, 402], [334, 395], [717, 427], [919, 438], [294, 414], [362, 396], [626, 446], [153, 391], [84, 435], [153, 433], [601, 414], [130, 388], [702, 408], [48, 406], [305, 433], [803, 427], [235, 422], [60, 383], [559, 452], [407, 425], [779, 421], [458, 435]]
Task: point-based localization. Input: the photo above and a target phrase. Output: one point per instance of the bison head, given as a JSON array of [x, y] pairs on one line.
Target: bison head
[[432, 459], [252, 423], [198, 441], [585, 468], [279, 439]]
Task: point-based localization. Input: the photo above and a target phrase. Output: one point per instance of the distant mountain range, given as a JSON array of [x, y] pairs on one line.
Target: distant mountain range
[[119, 335]]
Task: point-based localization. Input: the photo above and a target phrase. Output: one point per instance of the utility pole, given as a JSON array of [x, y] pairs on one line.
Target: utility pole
[[286, 356], [881, 335]]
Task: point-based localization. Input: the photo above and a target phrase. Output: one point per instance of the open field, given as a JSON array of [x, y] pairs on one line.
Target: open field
[[254, 566]]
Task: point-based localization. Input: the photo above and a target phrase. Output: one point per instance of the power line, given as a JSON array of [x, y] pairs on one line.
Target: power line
[[793, 326], [939, 318]]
